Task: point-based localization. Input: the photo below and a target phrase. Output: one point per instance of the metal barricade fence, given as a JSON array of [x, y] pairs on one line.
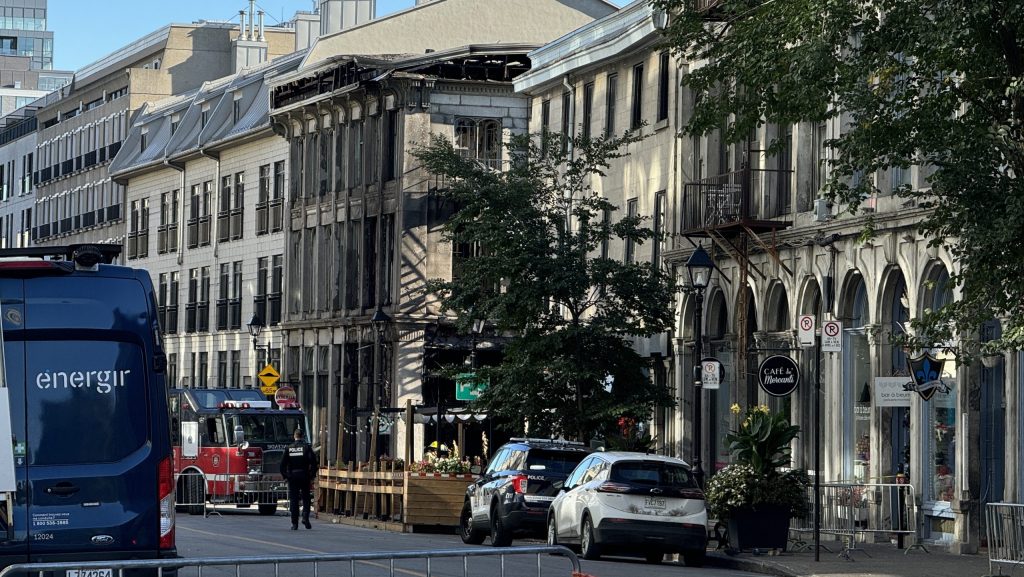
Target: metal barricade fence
[[182, 566], [197, 493], [852, 509], [1004, 527]]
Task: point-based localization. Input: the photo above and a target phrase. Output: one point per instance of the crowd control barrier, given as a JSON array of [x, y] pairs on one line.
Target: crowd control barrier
[[1004, 527], [423, 563], [852, 511]]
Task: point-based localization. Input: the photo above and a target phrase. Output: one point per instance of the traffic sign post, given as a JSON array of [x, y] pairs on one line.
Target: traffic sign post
[[467, 387], [711, 373], [806, 330], [269, 377], [832, 337]]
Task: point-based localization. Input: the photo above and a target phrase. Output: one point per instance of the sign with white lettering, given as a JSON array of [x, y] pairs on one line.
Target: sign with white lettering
[[711, 373], [832, 337], [892, 392], [805, 330], [778, 375]]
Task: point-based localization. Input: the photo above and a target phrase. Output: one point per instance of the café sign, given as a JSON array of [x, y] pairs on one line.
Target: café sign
[[778, 375]]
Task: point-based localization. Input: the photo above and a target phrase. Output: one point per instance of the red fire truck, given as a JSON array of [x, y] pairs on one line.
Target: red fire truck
[[228, 445]]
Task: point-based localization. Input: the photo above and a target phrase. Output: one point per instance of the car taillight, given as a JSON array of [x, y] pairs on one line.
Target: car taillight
[[692, 494], [612, 487], [165, 491], [519, 484]]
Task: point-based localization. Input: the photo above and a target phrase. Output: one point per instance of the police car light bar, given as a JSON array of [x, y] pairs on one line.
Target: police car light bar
[[245, 405]]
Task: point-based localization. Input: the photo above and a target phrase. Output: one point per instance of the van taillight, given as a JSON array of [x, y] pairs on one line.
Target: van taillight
[[165, 492], [519, 483], [34, 267]]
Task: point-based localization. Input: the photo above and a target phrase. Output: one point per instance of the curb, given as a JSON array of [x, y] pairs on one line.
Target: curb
[[723, 561]]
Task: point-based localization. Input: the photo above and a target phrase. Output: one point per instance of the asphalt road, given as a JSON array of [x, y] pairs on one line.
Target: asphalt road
[[246, 534]]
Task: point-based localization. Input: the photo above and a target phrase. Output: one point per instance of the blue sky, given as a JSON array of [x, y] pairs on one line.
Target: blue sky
[[87, 31]]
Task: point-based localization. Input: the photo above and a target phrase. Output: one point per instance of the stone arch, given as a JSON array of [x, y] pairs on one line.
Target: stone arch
[[893, 306], [776, 310], [854, 307], [936, 287]]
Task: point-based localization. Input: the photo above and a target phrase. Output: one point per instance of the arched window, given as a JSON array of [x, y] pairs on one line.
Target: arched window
[[939, 432], [479, 139], [857, 443]]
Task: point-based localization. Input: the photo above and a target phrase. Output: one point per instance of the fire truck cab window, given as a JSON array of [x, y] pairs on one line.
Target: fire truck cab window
[[267, 427], [215, 431]]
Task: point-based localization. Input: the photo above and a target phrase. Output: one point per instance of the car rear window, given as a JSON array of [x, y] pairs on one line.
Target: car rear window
[[653, 473], [86, 401], [553, 462]]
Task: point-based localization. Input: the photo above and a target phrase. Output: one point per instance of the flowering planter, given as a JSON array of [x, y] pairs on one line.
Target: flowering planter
[[766, 527]]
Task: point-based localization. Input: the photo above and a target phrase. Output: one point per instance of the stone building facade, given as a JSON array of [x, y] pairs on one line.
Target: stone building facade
[[364, 229], [782, 252]]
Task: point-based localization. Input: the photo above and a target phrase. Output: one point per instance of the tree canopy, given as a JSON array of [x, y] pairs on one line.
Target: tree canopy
[[539, 273], [934, 83]]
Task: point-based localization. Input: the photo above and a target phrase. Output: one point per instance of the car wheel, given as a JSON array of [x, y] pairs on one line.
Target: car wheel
[[694, 558], [588, 546], [500, 535], [552, 532], [654, 557], [470, 535]]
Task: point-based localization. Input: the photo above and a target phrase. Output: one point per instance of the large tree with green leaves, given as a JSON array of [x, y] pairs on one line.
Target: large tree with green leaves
[[538, 273], [933, 83]]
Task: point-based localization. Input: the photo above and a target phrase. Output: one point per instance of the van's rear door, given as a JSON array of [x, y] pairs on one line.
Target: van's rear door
[[91, 469], [15, 549]]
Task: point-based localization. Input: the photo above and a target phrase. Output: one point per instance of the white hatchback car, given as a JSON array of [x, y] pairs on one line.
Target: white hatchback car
[[631, 504]]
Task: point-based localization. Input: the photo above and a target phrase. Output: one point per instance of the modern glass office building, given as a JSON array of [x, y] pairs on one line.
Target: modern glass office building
[[26, 55]]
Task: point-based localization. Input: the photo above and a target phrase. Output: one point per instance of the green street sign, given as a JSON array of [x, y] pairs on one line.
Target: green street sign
[[467, 387]]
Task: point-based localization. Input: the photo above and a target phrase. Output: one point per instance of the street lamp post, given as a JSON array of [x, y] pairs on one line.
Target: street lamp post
[[380, 322], [256, 326], [698, 268]]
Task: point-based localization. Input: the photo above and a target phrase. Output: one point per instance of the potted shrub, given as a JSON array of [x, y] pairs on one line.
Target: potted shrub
[[757, 494]]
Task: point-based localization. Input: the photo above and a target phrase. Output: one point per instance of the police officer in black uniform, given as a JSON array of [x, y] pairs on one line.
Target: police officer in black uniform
[[298, 467]]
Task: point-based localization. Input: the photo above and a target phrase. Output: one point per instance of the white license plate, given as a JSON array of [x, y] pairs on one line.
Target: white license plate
[[649, 503], [90, 573]]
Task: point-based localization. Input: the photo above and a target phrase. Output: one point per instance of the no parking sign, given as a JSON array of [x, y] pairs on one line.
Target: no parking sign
[[832, 337]]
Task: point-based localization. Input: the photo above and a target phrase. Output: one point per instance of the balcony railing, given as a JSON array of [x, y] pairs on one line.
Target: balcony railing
[[753, 198]]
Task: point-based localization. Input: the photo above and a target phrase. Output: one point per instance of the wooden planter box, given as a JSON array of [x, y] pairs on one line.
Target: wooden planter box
[[434, 498]]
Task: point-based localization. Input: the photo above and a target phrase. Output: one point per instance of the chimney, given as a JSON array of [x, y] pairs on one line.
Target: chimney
[[338, 15], [307, 29], [252, 20], [241, 18], [250, 49]]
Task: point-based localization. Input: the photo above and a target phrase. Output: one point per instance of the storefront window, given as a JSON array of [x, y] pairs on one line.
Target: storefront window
[[940, 412], [857, 399], [941, 441], [899, 417], [719, 400]]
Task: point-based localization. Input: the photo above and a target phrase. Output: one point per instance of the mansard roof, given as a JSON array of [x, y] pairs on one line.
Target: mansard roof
[[191, 135], [634, 27]]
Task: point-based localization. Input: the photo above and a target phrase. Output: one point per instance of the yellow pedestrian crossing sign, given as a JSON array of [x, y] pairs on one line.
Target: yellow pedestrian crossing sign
[[269, 376]]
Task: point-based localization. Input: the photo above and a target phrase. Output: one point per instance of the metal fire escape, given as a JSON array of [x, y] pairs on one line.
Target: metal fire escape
[[735, 210]]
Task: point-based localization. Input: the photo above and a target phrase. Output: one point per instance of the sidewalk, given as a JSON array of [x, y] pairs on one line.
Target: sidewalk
[[875, 560]]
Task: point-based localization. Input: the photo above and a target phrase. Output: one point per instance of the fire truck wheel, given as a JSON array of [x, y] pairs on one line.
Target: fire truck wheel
[[268, 508], [197, 491]]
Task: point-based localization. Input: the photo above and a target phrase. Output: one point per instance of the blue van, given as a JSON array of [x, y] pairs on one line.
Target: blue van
[[85, 369]]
